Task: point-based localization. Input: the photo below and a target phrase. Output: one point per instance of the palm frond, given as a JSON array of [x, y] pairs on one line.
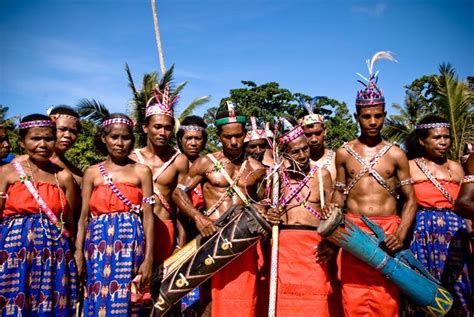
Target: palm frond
[[193, 105], [92, 109], [131, 83]]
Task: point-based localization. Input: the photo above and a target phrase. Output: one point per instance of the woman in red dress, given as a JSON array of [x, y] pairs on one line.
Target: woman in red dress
[[37, 269], [116, 225]]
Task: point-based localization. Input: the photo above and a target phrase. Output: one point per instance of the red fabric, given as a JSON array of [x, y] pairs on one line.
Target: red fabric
[[164, 240], [198, 199], [234, 289], [263, 276], [365, 292], [429, 196], [303, 284], [104, 201], [20, 201]]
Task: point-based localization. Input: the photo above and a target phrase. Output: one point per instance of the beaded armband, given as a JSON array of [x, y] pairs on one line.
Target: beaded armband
[[3, 195], [468, 179], [149, 200], [184, 188], [340, 187], [408, 181]]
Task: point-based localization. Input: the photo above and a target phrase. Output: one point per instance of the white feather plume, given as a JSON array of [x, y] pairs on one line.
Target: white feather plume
[[378, 56]]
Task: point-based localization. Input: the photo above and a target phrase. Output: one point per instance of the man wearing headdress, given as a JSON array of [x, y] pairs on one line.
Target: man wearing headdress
[[315, 131], [167, 164], [369, 169], [226, 177], [257, 140], [302, 195]]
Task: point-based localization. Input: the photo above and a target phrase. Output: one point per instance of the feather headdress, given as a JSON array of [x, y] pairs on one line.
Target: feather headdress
[[372, 95], [257, 133], [311, 117], [161, 103]]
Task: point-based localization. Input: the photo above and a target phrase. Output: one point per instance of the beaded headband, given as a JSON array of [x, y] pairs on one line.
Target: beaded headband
[[432, 125], [191, 128], [160, 103], [232, 118], [36, 123], [293, 133], [372, 95], [117, 120]]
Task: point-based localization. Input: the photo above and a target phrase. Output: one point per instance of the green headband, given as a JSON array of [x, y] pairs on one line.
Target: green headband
[[227, 120]]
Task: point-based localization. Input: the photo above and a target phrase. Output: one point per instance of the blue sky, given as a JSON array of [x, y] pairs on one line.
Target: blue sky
[[57, 52]]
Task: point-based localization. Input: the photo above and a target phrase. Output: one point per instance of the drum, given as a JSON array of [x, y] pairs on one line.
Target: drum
[[403, 269], [239, 228]]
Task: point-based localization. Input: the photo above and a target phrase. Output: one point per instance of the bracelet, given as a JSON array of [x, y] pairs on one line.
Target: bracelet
[[408, 181], [184, 188], [468, 179], [341, 187], [3, 195], [149, 200]]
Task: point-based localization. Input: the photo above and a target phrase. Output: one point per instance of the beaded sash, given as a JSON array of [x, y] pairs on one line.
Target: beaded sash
[[368, 167], [133, 208], [327, 162], [156, 175], [43, 207], [419, 162], [295, 190], [231, 189]]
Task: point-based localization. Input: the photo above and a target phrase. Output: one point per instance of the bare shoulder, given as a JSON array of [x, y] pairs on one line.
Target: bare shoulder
[[181, 161], [141, 169], [397, 153], [341, 152], [256, 165], [20, 158], [92, 172], [456, 167], [8, 173], [64, 175], [201, 164]]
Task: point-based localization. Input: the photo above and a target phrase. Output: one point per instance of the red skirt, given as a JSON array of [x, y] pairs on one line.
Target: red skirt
[[234, 289], [303, 284], [365, 291], [164, 241]]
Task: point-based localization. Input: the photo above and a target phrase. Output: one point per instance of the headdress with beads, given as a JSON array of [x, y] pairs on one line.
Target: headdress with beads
[[311, 117], [432, 125], [161, 103], [56, 116], [372, 95], [232, 118], [257, 133], [36, 124], [291, 132]]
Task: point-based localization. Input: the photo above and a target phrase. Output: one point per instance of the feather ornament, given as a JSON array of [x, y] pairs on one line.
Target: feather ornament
[[378, 56]]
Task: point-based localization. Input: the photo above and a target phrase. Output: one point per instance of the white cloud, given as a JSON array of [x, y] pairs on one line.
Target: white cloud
[[376, 10]]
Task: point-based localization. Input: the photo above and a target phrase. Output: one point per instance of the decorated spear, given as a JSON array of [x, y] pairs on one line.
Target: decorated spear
[[275, 198]]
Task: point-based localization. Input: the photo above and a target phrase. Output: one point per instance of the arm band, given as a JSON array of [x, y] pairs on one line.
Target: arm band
[[468, 179], [149, 200], [341, 187], [408, 181], [184, 188], [3, 195]]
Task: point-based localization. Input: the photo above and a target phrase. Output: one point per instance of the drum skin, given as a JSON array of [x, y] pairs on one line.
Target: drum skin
[[239, 228], [422, 289]]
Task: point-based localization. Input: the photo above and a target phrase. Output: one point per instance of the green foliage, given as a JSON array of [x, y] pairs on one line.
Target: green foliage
[[83, 153], [441, 94], [269, 101], [92, 109]]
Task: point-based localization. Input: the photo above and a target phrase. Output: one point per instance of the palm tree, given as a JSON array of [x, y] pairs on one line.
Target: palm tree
[[398, 127], [141, 96], [158, 37], [454, 101]]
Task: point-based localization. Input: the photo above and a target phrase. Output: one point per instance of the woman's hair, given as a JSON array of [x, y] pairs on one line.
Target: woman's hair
[[59, 110], [413, 146], [189, 121], [103, 131], [34, 117]]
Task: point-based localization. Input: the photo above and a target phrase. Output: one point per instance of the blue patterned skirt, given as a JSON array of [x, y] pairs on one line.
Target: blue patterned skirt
[[440, 242], [114, 250], [37, 268]]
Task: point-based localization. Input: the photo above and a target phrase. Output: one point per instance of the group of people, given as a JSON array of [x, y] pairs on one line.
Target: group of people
[[94, 238]]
